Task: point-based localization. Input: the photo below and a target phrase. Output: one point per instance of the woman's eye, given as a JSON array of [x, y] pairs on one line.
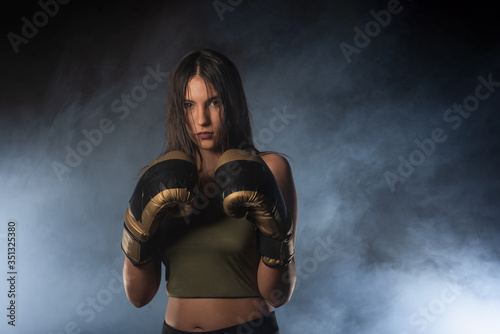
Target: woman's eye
[[188, 106], [215, 103]]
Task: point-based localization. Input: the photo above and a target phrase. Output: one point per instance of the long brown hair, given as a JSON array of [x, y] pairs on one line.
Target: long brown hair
[[218, 70]]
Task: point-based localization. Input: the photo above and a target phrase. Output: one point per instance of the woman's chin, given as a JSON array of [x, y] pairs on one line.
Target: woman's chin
[[210, 148]]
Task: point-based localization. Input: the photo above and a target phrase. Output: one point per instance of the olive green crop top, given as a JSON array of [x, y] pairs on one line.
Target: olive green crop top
[[210, 255]]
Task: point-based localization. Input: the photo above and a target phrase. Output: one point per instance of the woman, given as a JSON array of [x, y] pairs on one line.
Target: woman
[[224, 273]]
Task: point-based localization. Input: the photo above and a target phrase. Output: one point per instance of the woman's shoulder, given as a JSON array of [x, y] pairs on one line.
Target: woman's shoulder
[[276, 162]]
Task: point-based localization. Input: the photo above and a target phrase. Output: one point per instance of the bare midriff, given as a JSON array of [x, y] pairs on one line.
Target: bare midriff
[[208, 314]]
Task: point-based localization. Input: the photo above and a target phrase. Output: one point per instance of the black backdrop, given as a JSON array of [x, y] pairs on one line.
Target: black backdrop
[[388, 110]]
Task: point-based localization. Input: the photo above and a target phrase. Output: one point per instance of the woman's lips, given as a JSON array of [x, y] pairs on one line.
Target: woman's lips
[[205, 135]]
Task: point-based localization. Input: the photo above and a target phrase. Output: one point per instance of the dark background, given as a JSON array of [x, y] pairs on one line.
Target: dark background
[[418, 257]]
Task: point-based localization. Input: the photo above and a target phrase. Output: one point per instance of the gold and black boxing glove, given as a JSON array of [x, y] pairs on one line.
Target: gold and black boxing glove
[[248, 187], [164, 190]]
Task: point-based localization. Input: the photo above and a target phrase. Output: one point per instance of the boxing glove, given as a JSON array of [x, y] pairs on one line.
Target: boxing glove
[[165, 190], [248, 187]]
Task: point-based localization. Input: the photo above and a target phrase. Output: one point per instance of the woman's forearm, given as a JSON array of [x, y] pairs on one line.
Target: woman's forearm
[[141, 283], [276, 284]]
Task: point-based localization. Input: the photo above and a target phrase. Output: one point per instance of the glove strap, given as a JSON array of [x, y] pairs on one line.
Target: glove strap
[[138, 252], [276, 253]]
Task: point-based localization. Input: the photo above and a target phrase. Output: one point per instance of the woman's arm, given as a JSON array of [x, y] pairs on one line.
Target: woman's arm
[[276, 284], [141, 283], [168, 181]]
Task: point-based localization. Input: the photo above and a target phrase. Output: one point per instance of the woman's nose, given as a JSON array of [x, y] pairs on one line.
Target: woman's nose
[[202, 117]]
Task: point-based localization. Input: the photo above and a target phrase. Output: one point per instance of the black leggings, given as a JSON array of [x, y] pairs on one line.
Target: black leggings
[[263, 325]]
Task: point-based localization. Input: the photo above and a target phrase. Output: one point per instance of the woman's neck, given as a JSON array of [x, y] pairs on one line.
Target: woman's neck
[[207, 167]]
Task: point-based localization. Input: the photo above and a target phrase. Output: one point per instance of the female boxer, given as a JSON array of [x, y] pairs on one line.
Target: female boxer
[[218, 213]]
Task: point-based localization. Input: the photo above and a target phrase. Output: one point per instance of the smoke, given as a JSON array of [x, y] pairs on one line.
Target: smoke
[[83, 110]]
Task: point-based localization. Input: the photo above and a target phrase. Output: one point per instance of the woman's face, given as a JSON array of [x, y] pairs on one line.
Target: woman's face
[[202, 110]]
